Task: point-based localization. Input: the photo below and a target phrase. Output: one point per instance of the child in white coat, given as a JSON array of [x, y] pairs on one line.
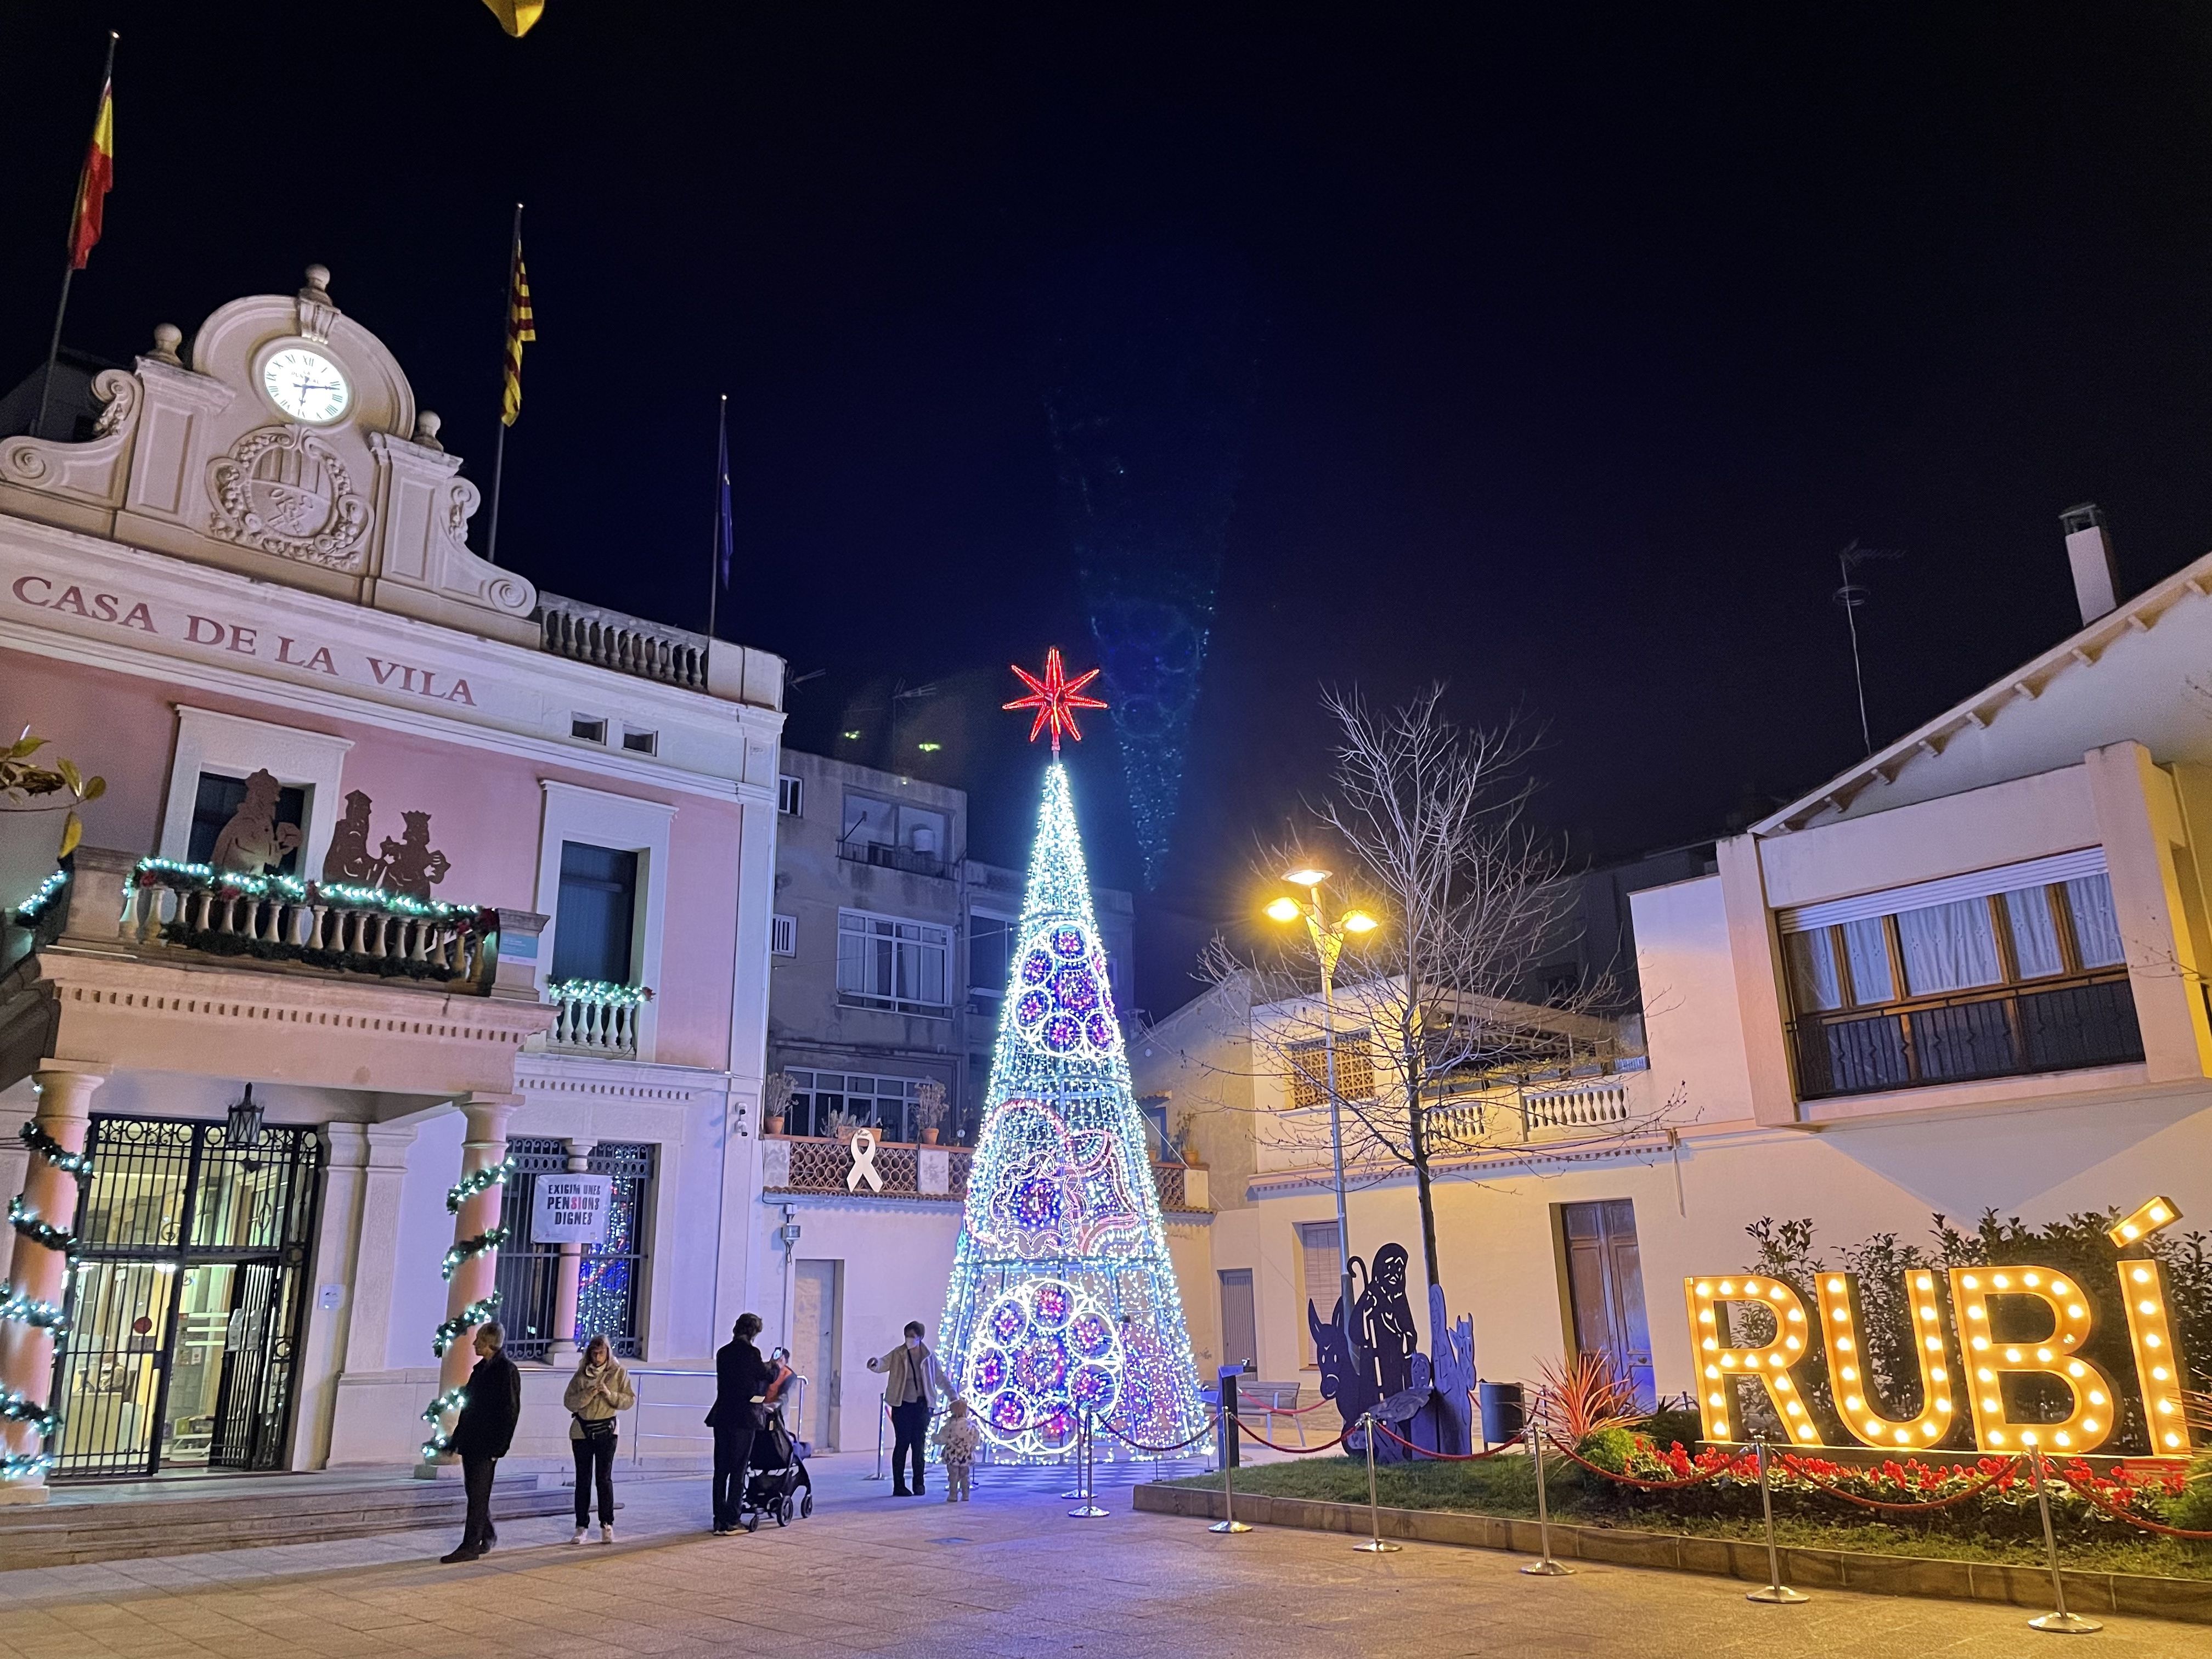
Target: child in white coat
[[958, 1436]]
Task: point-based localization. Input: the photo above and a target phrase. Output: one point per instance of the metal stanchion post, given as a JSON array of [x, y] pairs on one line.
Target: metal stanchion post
[[883, 1411], [1082, 1490], [1374, 1546], [2058, 1622], [1229, 1523], [1088, 1510], [1544, 1566], [1776, 1594]]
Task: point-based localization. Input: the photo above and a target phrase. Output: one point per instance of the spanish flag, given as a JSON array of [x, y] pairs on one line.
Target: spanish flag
[[95, 182], [520, 326]]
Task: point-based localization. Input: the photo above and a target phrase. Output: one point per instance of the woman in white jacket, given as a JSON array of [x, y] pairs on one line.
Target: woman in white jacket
[[595, 1393]]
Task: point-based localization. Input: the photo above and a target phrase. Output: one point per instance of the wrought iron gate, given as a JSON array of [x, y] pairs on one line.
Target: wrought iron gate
[[186, 1304]]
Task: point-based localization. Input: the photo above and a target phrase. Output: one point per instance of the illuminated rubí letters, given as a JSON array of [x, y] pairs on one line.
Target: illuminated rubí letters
[[1978, 1295], [1852, 1383]]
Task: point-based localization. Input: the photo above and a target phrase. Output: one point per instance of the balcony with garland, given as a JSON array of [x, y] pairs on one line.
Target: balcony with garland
[[147, 964]]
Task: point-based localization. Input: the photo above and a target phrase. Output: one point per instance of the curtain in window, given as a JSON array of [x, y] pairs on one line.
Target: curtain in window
[[1948, 947], [2096, 927], [1814, 982], [1866, 942], [2034, 932]]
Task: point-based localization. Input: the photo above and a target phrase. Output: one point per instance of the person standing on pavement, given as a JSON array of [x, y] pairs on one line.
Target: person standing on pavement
[[912, 1381], [742, 1379], [598, 1390], [491, 1407]]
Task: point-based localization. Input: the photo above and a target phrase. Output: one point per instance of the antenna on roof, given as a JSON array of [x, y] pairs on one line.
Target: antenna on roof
[[1851, 595]]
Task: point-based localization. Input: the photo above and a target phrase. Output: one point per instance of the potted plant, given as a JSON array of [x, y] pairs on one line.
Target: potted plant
[[775, 1101], [39, 825], [929, 1109]]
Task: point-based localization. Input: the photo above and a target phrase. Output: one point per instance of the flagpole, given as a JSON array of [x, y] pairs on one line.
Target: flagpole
[[721, 493], [506, 325], [69, 266]]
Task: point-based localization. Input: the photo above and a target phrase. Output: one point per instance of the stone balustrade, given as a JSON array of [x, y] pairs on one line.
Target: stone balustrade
[[1510, 1117], [166, 906], [808, 1163], [596, 1018], [628, 645]]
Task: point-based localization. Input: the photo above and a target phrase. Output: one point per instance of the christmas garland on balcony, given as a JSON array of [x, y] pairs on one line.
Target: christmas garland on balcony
[[33, 908], [449, 1331], [232, 884], [599, 993], [180, 877], [352, 962]]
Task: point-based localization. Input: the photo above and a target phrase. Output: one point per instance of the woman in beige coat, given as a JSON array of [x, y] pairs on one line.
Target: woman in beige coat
[[600, 1389]]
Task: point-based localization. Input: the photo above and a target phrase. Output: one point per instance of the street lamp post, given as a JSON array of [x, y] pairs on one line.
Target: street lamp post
[[1329, 938]]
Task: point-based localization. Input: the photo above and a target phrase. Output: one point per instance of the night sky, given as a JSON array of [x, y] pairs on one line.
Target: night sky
[[1579, 344]]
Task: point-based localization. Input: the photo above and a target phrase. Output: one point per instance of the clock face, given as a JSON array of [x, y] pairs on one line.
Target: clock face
[[306, 386]]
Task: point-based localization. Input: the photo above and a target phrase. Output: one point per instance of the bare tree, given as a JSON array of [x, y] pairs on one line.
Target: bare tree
[[1430, 829]]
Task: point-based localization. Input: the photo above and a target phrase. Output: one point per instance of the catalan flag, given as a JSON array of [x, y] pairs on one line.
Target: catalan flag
[[521, 327], [95, 181]]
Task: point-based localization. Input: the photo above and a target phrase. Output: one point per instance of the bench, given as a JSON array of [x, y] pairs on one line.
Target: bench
[[1268, 1397]]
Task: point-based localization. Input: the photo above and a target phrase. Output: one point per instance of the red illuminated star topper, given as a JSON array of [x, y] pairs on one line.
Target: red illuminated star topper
[[1055, 698]]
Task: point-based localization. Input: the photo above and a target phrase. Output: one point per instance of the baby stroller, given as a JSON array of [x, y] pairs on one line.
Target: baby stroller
[[778, 1483]]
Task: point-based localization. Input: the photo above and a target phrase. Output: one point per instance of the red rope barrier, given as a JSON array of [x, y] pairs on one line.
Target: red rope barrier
[[1272, 1446], [1444, 1456], [1260, 1407], [2119, 1514], [1566, 1450], [1790, 1466], [1157, 1450]]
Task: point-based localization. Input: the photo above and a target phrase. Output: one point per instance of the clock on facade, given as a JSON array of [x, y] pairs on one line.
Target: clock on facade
[[306, 386]]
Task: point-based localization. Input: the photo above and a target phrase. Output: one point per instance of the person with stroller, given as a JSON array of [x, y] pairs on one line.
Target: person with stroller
[[491, 1406], [598, 1390], [911, 1382], [958, 1436], [742, 1379]]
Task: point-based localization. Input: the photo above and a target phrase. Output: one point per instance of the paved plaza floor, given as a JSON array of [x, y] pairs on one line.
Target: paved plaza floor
[[1007, 1574]]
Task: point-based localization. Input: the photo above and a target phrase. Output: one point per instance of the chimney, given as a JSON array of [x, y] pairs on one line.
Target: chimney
[[2089, 550]]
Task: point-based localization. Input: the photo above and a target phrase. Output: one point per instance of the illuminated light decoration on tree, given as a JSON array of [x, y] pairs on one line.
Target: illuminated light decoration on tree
[[1063, 1297]]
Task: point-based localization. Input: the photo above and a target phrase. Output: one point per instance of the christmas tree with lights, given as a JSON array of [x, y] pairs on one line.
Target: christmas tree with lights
[[1063, 1299]]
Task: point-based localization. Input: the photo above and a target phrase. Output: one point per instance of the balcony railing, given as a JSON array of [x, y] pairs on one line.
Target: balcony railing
[[352, 930], [2007, 1032], [884, 856], [629, 644], [595, 1018], [800, 1163], [1483, 1123]]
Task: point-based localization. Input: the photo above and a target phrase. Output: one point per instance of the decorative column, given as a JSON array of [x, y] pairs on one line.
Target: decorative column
[[472, 1263], [565, 1333], [33, 1299]]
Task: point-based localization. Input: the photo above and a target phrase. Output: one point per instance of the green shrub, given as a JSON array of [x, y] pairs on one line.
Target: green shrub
[[2193, 1509]]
